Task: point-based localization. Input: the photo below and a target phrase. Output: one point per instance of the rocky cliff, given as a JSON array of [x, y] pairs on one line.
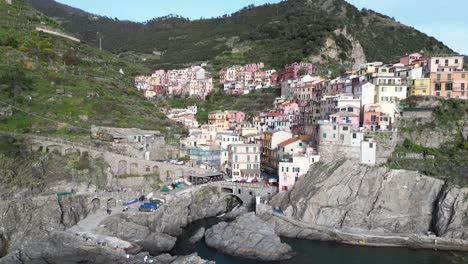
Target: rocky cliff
[[34, 230], [346, 195]]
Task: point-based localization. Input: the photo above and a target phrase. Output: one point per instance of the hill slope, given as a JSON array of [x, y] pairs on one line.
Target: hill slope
[[325, 31], [50, 84]]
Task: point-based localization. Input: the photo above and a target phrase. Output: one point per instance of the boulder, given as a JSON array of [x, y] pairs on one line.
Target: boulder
[[248, 237], [197, 236]]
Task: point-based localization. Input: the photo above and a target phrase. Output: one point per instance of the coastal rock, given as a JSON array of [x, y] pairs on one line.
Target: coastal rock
[[198, 235], [452, 214], [249, 237], [62, 247], [23, 221], [236, 212], [121, 226], [191, 259], [350, 195]]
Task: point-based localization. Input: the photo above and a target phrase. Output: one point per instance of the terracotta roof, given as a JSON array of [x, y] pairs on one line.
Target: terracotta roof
[[275, 114], [287, 142]]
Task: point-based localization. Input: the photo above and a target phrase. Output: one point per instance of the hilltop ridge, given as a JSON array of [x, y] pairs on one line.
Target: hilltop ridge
[[330, 32]]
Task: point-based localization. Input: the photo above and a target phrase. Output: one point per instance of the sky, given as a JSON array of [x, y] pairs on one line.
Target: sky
[[446, 20]]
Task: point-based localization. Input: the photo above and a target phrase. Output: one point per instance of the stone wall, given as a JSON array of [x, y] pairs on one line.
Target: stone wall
[[118, 164], [332, 152]]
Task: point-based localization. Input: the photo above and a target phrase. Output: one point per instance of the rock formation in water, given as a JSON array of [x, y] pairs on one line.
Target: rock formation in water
[[198, 235], [248, 237], [347, 195]]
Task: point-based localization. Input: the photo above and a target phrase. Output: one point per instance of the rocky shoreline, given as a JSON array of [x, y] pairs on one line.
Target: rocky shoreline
[[287, 227], [343, 202], [248, 237]]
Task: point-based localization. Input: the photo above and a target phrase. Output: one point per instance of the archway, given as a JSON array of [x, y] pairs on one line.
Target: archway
[[37, 147], [54, 149], [156, 170], [122, 169], [95, 204], [133, 168], [72, 151], [169, 175], [233, 201], [111, 203]]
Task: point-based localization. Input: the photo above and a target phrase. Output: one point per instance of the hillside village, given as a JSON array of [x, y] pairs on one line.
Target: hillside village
[[314, 118]]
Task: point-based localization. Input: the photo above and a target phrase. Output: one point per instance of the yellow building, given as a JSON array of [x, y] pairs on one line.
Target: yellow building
[[420, 87], [219, 119]]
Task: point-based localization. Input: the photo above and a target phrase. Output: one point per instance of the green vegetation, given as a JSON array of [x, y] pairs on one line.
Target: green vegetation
[[276, 34], [37, 171], [448, 162], [57, 86], [249, 103]]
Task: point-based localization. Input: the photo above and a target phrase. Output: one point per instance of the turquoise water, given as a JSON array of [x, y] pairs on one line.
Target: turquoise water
[[316, 252]]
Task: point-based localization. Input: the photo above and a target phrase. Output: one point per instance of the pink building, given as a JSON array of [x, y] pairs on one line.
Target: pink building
[[288, 108], [346, 115], [291, 72], [409, 59], [235, 118]]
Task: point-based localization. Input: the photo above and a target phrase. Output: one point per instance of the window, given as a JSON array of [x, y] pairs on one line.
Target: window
[[371, 145], [341, 137], [383, 89], [354, 135], [300, 144], [463, 86], [324, 135], [256, 158], [438, 76], [463, 76], [437, 61], [437, 93], [449, 95], [437, 87], [296, 169], [334, 127], [248, 157], [236, 158], [345, 128], [255, 149], [448, 87], [235, 149], [449, 77], [334, 135], [247, 149], [456, 60], [350, 109]]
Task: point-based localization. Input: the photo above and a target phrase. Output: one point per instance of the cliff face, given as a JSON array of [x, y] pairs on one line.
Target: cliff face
[[25, 222], [348, 195]]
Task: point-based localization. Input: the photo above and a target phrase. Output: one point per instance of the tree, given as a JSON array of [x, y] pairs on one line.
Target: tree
[[15, 79]]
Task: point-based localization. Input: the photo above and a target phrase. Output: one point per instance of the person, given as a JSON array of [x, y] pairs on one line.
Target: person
[[108, 211]]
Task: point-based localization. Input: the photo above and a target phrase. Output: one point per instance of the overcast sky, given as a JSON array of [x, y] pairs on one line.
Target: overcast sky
[[446, 20]]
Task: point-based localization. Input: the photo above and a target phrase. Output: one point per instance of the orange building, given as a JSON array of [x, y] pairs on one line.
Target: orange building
[[452, 84]]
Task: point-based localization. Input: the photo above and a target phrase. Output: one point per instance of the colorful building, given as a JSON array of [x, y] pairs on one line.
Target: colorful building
[[244, 161], [449, 84]]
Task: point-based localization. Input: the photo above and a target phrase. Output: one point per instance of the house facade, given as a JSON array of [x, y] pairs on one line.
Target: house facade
[[244, 161]]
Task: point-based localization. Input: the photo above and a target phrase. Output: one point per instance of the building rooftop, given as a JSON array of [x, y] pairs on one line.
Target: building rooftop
[[288, 142]]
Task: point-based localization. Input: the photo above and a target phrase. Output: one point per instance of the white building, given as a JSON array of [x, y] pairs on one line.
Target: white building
[[337, 141], [244, 161], [224, 140], [366, 92], [289, 171]]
